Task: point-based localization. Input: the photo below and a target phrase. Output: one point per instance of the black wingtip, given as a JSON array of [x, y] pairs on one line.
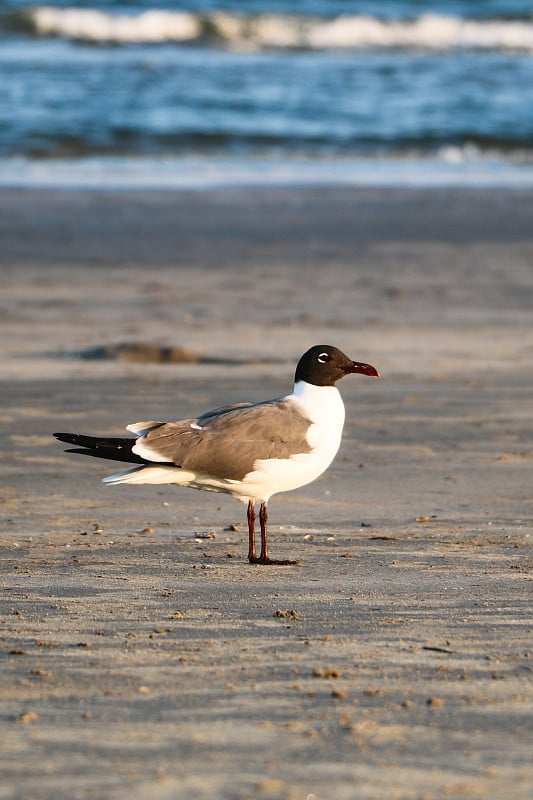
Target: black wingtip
[[114, 449], [70, 438]]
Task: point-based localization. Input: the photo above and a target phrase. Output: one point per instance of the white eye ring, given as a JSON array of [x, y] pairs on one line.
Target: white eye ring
[[323, 358]]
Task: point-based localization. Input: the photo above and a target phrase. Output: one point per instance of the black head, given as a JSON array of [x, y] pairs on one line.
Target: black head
[[324, 365]]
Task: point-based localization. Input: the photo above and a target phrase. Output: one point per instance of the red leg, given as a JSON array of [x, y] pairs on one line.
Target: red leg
[[263, 558], [252, 558], [263, 518]]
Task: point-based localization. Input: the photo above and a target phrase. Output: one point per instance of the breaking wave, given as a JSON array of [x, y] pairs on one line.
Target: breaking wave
[[429, 32]]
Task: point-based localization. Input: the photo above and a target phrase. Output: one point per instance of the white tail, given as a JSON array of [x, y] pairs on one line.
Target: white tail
[[140, 428], [148, 475]]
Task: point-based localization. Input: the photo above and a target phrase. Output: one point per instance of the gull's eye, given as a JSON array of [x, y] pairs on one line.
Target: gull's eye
[[324, 358]]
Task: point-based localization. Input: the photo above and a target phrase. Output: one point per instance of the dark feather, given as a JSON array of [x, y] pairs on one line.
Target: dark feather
[[114, 449]]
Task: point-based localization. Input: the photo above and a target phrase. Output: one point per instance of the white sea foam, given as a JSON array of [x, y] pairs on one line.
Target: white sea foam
[[451, 167], [427, 32], [99, 26]]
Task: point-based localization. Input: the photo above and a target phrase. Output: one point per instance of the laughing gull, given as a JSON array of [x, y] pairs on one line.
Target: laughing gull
[[249, 450]]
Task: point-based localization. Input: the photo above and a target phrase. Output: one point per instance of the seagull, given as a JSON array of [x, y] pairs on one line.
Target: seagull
[[249, 450]]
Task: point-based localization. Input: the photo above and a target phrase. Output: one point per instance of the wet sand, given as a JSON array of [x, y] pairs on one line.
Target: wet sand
[[142, 657]]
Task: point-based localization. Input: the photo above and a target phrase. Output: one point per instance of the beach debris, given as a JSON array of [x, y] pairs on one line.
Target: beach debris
[[147, 531], [28, 716], [422, 519], [338, 694], [154, 353], [141, 352], [435, 702], [374, 692], [437, 649], [211, 534], [327, 672], [287, 614]]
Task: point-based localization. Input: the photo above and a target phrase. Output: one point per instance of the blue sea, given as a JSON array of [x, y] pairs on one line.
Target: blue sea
[[270, 90]]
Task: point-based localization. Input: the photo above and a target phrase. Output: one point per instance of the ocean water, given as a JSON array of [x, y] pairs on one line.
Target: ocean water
[[265, 81]]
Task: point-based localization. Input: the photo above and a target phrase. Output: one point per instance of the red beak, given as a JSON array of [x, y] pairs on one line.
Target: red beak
[[364, 369]]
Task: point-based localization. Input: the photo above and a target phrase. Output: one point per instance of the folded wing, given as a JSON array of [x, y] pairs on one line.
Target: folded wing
[[225, 443]]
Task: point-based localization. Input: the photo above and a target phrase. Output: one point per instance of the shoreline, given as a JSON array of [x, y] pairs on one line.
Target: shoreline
[[453, 168]]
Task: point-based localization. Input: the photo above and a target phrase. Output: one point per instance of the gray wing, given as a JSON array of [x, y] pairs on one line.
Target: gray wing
[[207, 416], [226, 442]]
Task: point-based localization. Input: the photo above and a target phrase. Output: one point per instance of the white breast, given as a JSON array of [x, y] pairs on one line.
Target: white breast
[[323, 406]]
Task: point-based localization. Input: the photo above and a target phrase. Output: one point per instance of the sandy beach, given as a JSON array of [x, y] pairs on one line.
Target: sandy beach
[[142, 657]]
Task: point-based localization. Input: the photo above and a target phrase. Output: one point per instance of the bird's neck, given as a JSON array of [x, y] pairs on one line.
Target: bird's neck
[[321, 404]]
